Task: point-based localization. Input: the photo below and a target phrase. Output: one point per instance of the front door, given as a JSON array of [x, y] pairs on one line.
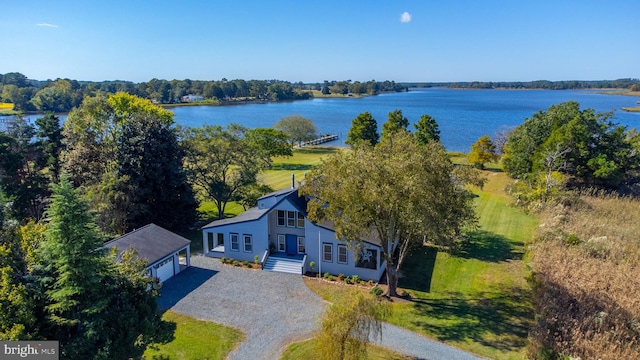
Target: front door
[[292, 246]]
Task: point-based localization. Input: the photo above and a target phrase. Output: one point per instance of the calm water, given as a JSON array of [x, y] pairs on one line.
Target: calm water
[[463, 115]]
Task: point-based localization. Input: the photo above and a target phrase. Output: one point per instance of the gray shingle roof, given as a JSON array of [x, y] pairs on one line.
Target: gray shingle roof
[[256, 213], [152, 242]]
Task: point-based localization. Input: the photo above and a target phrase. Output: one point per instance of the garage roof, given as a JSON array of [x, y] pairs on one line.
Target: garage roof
[[153, 243]]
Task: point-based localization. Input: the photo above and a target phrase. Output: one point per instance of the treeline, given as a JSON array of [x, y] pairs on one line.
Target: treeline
[[62, 95], [632, 84]]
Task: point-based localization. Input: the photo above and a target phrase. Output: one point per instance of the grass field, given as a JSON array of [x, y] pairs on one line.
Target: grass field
[[195, 340], [479, 300], [306, 350]]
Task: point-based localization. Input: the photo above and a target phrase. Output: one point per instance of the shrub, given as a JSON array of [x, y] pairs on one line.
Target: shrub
[[318, 276], [223, 260], [341, 276], [573, 239], [326, 275], [348, 280], [245, 263], [376, 290], [356, 279], [312, 265], [235, 263], [331, 278], [256, 259], [370, 282]]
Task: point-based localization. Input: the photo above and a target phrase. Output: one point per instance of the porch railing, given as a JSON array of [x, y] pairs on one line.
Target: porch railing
[[265, 256], [304, 262]]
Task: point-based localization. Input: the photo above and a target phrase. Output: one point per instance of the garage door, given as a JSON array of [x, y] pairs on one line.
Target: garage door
[[165, 270]]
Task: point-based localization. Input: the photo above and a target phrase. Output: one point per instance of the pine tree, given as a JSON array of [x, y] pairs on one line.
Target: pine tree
[[363, 128], [427, 129]]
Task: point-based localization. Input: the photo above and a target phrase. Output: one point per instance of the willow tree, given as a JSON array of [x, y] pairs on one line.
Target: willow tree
[[347, 326], [400, 191]]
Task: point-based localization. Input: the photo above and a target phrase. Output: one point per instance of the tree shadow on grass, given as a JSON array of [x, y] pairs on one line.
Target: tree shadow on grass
[[420, 265], [316, 150], [498, 319], [181, 285], [290, 167], [487, 246]]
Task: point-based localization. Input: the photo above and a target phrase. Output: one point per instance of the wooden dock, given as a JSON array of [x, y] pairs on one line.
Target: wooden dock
[[320, 140]]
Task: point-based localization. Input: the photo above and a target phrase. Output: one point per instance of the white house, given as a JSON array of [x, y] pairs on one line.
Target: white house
[[159, 247], [191, 97], [279, 223]]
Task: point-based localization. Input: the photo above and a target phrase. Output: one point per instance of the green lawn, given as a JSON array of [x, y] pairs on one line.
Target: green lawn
[[303, 160], [306, 350], [478, 300], [195, 339]]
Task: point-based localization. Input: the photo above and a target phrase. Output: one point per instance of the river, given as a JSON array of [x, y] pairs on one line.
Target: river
[[462, 115]]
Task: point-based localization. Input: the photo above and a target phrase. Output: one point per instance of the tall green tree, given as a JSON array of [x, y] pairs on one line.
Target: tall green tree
[[220, 163], [395, 123], [363, 128], [297, 128], [400, 191], [427, 129], [95, 308], [123, 149], [49, 141], [21, 176], [73, 272], [152, 184]]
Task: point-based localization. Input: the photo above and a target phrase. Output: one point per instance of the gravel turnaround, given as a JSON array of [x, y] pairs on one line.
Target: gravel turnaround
[[272, 310]]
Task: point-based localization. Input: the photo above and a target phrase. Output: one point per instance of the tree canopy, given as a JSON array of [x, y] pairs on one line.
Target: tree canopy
[[125, 151], [222, 163], [427, 129], [363, 128], [597, 152], [400, 191], [482, 152], [395, 123], [297, 128]]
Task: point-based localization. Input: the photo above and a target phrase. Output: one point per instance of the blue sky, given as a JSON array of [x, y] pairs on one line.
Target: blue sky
[[312, 41]]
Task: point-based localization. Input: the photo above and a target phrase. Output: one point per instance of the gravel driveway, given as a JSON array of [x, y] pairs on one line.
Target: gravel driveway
[[272, 309]]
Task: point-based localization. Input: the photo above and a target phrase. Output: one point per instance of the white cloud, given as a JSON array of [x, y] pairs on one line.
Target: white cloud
[[47, 25], [405, 17]]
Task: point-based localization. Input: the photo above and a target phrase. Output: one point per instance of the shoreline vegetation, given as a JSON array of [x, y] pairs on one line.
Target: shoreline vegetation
[[30, 96]]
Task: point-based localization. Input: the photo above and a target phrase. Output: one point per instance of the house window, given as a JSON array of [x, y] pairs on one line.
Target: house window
[[300, 220], [281, 243], [327, 252], [281, 218], [342, 254], [291, 218], [235, 246], [248, 243], [301, 244]]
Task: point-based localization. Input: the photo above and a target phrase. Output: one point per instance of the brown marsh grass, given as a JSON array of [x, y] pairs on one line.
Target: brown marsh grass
[[586, 277]]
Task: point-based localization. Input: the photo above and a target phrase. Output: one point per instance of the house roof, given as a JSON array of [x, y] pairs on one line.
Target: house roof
[[152, 242], [256, 213], [299, 202]]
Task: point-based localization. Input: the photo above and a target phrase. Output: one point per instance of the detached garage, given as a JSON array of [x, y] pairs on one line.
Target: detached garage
[[159, 247]]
